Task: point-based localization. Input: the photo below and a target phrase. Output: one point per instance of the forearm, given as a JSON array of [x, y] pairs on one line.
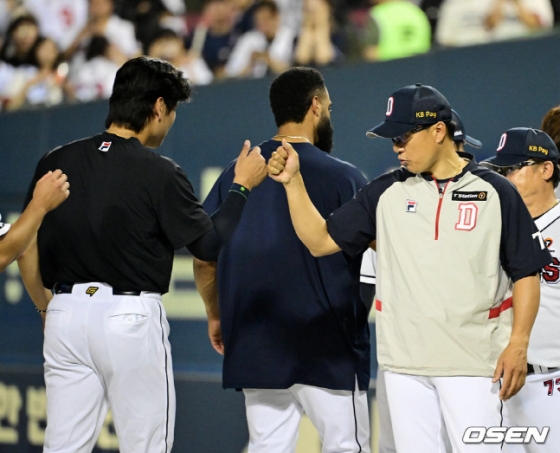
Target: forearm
[[225, 221], [28, 264], [310, 227], [207, 287], [277, 66], [20, 234], [526, 295], [304, 48]]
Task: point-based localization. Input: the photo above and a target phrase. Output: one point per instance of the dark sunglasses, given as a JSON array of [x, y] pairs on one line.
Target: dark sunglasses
[[405, 138], [506, 171]]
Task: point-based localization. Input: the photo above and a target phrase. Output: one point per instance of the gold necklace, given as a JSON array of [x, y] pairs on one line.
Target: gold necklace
[[297, 137]]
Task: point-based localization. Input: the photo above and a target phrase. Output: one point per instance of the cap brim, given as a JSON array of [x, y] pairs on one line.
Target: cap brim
[[505, 160], [473, 142], [389, 129], [4, 227]]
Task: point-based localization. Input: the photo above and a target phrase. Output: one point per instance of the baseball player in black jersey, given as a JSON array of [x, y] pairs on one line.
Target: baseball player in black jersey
[[107, 257], [51, 190]]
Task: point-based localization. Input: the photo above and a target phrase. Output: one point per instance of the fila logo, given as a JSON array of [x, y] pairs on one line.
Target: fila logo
[[105, 146], [502, 143], [411, 205], [92, 290], [390, 103], [468, 213]]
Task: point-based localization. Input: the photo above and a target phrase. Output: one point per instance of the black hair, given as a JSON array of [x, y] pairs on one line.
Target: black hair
[[138, 85], [97, 47], [7, 51], [292, 92], [267, 4], [451, 126]]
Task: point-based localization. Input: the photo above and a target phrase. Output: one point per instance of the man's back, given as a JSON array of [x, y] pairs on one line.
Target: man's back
[[310, 327], [130, 209]]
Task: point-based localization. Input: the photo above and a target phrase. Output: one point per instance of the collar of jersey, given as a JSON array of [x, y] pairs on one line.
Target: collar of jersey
[[472, 163]]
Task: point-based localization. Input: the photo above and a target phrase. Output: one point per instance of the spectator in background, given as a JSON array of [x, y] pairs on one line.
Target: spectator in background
[[268, 49], [468, 22], [431, 8], [214, 36], [60, 20], [8, 10], [291, 14], [42, 85], [551, 124], [169, 47], [315, 46], [103, 22], [396, 29], [94, 78], [150, 16], [22, 34]]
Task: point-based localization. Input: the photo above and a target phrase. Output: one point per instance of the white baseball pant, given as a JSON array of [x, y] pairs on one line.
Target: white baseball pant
[[103, 350], [341, 417], [536, 404], [425, 409]]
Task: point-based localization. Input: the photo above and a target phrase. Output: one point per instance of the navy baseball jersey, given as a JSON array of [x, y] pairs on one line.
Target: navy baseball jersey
[[287, 317]]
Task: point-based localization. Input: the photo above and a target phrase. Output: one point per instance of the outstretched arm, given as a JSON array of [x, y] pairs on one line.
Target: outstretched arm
[[512, 364], [311, 228], [50, 191]]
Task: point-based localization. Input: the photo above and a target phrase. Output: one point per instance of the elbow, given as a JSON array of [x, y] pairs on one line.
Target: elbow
[[4, 262], [317, 252]]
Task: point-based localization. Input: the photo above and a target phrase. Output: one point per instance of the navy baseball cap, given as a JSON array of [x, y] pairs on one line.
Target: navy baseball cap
[[410, 106], [460, 134], [522, 143]]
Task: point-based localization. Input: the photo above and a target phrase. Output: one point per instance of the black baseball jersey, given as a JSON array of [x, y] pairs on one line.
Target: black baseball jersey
[[129, 208], [287, 317]]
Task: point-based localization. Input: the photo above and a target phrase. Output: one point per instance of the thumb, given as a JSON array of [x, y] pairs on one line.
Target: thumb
[[288, 147], [246, 148]]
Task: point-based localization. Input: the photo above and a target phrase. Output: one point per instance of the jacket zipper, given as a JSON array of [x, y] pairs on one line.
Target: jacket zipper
[[441, 194]]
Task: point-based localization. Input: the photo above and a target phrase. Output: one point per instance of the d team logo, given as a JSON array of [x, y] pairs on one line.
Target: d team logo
[[499, 434], [390, 104], [502, 143]]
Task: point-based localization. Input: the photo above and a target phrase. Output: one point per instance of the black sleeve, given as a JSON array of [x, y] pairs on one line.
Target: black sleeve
[[224, 220], [522, 249]]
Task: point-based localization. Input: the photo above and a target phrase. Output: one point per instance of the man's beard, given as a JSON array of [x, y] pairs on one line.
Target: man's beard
[[324, 134]]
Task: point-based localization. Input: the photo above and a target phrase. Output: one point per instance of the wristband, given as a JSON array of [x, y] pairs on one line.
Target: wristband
[[242, 190], [38, 310]]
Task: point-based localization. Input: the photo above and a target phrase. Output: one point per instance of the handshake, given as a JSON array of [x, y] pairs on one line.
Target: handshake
[[251, 167]]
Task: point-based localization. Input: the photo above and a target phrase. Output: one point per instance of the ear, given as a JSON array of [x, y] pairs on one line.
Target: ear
[[159, 108], [440, 131], [547, 170], [316, 106]]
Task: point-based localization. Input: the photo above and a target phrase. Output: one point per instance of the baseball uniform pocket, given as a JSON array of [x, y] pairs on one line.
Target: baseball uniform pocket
[[56, 317], [129, 324]]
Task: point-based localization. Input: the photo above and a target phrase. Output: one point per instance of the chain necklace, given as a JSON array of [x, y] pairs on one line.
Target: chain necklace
[[297, 137]]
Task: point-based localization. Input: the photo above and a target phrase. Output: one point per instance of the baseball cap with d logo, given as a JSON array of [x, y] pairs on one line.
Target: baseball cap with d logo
[[410, 107], [521, 143]]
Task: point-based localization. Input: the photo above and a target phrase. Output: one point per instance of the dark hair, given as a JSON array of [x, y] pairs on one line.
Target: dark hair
[[551, 124], [138, 85], [97, 47], [292, 92], [267, 4], [7, 52], [450, 131]]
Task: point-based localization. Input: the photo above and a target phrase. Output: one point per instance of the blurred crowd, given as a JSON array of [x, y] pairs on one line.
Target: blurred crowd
[[54, 51]]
